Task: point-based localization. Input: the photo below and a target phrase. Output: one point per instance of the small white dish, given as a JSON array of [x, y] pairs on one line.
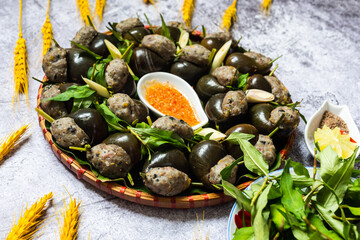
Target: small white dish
[[236, 208], [181, 85], [342, 111]]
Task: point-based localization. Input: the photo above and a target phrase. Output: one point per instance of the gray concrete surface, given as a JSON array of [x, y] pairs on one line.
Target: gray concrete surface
[[319, 41]]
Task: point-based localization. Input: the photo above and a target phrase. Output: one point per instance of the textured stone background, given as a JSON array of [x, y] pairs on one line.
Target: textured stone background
[[319, 41]]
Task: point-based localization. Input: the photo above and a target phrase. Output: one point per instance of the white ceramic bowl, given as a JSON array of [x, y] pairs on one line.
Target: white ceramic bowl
[[342, 111], [236, 208], [180, 84]]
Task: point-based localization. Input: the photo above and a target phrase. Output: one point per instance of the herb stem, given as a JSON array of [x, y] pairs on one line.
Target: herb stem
[[348, 219], [197, 184], [272, 61], [148, 118], [314, 167], [273, 132], [272, 72], [259, 192], [44, 115]]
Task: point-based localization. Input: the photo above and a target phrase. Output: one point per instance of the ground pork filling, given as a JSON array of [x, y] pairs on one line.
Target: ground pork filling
[[166, 181], [214, 176], [332, 121], [267, 149], [175, 125]]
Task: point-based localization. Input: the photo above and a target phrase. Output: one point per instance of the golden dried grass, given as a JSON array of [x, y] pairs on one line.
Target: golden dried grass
[[20, 65], [71, 220], [229, 16], [84, 9], [47, 32], [9, 142], [187, 10], [99, 8], [27, 224]]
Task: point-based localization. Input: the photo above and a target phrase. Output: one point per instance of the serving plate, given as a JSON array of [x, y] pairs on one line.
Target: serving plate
[[342, 111]]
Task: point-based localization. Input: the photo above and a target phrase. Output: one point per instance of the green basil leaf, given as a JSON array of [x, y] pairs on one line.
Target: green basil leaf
[[276, 165], [233, 137], [299, 169], [354, 210], [261, 215], [157, 137], [253, 159], [339, 183], [277, 218], [302, 181], [242, 80], [73, 92], [245, 233], [329, 161], [292, 200], [298, 228], [80, 103], [241, 197], [110, 117]]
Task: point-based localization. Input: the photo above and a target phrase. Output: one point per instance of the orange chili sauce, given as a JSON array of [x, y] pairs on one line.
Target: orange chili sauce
[[168, 100]]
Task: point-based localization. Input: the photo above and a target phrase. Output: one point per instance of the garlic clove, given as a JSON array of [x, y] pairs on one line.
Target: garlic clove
[[258, 96]]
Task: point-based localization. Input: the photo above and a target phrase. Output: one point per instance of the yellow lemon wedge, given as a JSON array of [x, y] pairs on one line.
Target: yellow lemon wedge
[[341, 143]]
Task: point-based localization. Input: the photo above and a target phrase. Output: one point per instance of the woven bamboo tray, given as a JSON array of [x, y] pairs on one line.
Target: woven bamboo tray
[[140, 197]]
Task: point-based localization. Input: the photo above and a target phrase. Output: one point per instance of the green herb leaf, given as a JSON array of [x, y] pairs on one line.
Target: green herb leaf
[[154, 137], [291, 199], [330, 162], [82, 103], [302, 181], [299, 169], [165, 30], [150, 26], [244, 233], [319, 224], [326, 215], [261, 215], [339, 183], [112, 120], [242, 80], [73, 92], [277, 218], [276, 165], [234, 192], [226, 172], [253, 159]]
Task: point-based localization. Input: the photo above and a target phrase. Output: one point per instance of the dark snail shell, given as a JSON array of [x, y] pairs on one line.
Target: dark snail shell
[[98, 45], [233, 149], [174, 32], [259, 117], [203, 157], [128, 142], [78, 63], [144, 61], [168, 158], [136, 34], [91, 121], [207, 86], [211, 43], [257, 81], [130, 87], [143, 110], [242, 63], [215, 113], [188, 71]]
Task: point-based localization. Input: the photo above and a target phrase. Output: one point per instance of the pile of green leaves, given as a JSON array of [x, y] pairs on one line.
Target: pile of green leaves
[[300, 206]]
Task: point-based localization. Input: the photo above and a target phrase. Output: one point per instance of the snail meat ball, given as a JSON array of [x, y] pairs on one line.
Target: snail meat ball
[[116, 74], [84, 36], [110, 160], [278, 89], [214, 175], [262, 62], [55, 109], [267, 149], [196, 54], [123, 107], [166, 181], [226, 75], [161, 45], [67, 133], [54, 65], [125, 25], [291, 117], [234, 103], [180, 127]]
